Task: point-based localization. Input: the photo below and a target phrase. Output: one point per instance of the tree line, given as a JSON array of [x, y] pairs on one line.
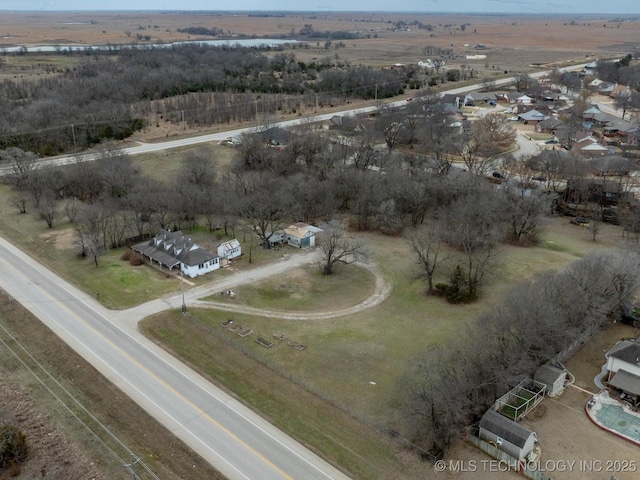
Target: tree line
[[110, 96]]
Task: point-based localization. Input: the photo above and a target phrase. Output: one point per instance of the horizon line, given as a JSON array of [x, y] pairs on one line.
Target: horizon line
[[429, 12]]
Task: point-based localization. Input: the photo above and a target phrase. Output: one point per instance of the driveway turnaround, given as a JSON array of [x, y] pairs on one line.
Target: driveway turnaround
[[228, 435]]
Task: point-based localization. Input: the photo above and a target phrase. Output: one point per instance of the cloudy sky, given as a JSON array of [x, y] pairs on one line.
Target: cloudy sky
[[629, 7]]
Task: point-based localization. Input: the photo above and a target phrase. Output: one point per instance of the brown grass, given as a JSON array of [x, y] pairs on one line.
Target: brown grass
[[512, 42]]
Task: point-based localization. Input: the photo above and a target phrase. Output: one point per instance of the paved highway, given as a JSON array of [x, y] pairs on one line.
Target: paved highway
[[228, 435]]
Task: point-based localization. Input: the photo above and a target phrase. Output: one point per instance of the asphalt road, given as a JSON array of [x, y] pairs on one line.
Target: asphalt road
[[228, 435]]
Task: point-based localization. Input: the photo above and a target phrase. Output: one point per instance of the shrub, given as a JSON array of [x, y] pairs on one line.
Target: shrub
[[135, 259], [13, 446]]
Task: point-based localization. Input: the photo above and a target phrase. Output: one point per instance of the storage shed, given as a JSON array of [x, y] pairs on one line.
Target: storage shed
[[301, 235], [509, 436], [229, 249], [554, 376]]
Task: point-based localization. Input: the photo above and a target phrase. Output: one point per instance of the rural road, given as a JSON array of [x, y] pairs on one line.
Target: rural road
[[225, 433]]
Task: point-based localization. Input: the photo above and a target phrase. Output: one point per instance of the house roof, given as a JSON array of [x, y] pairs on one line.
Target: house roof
[[626, 381], [505, 428], [230, 244], [533, 115], [551, 123], [172, 248], [627, 351], [613, 163], [481, 96], [548, 373], [301, 230]]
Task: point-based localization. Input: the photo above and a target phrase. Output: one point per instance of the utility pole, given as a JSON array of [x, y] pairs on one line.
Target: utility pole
[[132, 465], [73, 133], [184, 305]]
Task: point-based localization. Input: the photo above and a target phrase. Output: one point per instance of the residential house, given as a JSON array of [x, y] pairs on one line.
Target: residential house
[[624, 355], [549, 125], [230, 249], [599, 191], [623, 364], [612, 166], [479, 98], [532, 117], [173, 250], [554, 376], [509, 436], [620, 90], [510, 97], [590, 146], [451, 99]]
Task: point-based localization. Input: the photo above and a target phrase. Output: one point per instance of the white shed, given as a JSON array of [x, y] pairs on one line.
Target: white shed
[[230, 249], [554, 376], [509, 436]]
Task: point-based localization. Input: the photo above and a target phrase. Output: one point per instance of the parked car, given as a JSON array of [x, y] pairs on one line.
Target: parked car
[[508, 110], [582, 221], [539, 178], [551, 141], [513, 119], [497, 174]]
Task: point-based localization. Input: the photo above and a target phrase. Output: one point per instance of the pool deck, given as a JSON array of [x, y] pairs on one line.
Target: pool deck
[[614, 417]]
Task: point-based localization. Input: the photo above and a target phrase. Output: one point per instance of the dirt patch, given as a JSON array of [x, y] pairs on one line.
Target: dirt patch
[[64, 240], [51, 453]]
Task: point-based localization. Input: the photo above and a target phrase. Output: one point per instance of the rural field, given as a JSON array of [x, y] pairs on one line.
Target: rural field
[[338, 395]]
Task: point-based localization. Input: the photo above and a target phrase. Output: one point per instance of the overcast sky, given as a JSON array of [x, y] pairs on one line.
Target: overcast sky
[[629, 7]]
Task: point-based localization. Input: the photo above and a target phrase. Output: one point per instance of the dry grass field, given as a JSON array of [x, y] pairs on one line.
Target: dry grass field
[[512, 42]]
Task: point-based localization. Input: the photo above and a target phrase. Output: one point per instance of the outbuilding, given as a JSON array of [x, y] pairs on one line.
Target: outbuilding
[[301, 235], [509, 436], [229, 249], [554, 376]]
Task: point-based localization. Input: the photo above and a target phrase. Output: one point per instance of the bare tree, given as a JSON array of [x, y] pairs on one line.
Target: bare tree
[[267, 207], [198, 169], [47, 208], [488, 84], [336, 246], [21, 164], [473, 227], [428, 246], [20, 199]]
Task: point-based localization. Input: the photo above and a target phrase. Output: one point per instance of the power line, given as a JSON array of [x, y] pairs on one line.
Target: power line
[[103, 427]]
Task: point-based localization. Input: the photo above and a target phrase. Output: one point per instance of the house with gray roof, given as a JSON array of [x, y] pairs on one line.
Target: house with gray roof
[[173, 250], [532, 117], [623, 364], [509, 436]]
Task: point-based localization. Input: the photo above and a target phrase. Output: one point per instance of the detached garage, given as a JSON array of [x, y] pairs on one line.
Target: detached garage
[[301, 235], [509, 436]]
